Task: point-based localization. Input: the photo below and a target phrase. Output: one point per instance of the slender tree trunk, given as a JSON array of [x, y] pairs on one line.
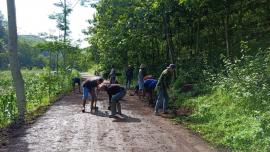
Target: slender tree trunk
[[172, 46], [65, 33], [241, 20], [65, 21], [57, 63], [18, 81], [167, 36], [197, 36], [226, 22], [51, 67], [190, 35]]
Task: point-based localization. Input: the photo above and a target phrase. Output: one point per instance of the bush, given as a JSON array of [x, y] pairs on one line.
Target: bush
[[235, 112]]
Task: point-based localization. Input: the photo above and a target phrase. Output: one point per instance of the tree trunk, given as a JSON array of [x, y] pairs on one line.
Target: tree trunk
[[226, 22], [65, 34], [168, 42], [18, 81], [197, 36], [240, 22], [65, 21], [190, 35], [57, 63]]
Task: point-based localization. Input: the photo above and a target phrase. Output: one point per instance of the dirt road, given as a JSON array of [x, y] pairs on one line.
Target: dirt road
[[65, 128]]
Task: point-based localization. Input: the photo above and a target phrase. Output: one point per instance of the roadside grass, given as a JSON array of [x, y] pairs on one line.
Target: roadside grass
[[234, 111], [41, 86]]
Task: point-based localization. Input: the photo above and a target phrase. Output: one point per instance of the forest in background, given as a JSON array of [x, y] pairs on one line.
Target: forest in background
[[160, 32], [221, 47]]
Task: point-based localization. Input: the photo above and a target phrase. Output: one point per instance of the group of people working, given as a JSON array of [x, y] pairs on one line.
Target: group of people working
[[147, 85]]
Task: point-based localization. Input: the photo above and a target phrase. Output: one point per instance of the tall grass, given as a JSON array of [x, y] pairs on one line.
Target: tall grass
[[40, 87]]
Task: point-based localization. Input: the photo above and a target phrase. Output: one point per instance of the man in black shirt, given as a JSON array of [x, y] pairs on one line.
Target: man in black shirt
[[89, 87], [116, 93], [129, 76]]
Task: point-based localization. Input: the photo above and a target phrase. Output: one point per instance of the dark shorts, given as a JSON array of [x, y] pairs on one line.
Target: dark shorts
[[76, 80]]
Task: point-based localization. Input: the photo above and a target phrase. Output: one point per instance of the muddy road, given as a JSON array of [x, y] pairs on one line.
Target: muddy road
[[65, 128]]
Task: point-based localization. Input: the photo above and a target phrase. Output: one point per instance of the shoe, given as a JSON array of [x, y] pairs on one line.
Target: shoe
[[120, 113], [157, 114], [166, 112], [83, 111], [96, 109]]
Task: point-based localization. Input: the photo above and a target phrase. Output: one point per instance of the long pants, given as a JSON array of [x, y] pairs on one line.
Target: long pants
[[115, 108], [128, 82], [162, 100], [115, 104], [118, 96], [112, 80]]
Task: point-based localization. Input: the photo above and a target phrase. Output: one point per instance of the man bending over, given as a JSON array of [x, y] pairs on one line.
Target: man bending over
[[89, 87]]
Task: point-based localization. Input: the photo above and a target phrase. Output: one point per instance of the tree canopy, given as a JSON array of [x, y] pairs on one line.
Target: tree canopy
[[184, 32]]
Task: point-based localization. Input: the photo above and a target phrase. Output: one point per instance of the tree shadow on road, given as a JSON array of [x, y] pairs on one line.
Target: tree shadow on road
[[14, 139]]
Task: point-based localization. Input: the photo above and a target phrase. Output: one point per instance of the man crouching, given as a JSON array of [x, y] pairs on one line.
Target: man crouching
[[116, 93]]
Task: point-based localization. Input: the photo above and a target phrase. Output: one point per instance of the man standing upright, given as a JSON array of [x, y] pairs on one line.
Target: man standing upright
[[129, 76], [162, 89], [141, 74], [112, 75]]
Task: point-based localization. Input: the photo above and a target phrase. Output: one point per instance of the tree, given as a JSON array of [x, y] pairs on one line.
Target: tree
[[62, 18], [191, 33], [63, 24], [14, 62]]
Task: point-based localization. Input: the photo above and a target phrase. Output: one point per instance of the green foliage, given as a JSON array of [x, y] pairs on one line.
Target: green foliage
[[62, 17], [189, 33], [40, 85], [29, 54], [235, 114], [3, 43]]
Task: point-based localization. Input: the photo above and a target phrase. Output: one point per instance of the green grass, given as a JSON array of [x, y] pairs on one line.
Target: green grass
[[40, 86], [221, 120], [235, 111]]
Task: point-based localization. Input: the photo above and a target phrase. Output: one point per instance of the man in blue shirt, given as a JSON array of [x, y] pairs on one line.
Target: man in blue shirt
[[149, 87]]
